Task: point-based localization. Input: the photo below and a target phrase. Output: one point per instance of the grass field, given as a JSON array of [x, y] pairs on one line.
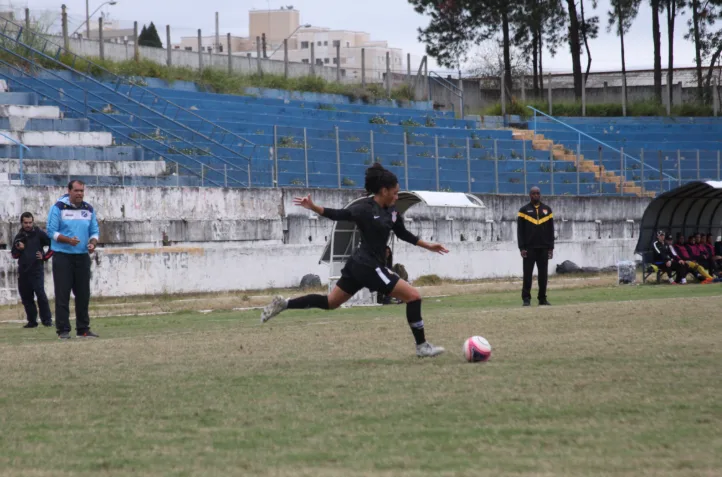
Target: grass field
[[611, 381]]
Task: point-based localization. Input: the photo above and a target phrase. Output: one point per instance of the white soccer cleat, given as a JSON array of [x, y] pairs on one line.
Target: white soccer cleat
[[272, 309], [427, 350]]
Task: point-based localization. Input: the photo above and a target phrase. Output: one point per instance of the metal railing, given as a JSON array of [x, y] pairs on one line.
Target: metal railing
[[21, 148], [449, 86], [580, 133], [36, 44]]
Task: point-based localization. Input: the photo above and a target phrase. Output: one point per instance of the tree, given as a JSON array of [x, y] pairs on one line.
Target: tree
[[575, 47], [657, 42], [589, 28], [487, 61], [622, 14], [672, 7], [704, 15], [456, 25], [539, 23], [149, 37]]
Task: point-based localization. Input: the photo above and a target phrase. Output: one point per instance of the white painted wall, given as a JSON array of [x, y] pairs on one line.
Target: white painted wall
[[232, 239], [149, 271], [57, 138]]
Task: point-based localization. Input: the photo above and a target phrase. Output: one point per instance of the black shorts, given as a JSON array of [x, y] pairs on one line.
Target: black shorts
[[356, 276]]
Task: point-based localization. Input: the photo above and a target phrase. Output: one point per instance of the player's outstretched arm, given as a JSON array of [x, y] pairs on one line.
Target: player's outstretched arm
[[433, 247], [333, 214]]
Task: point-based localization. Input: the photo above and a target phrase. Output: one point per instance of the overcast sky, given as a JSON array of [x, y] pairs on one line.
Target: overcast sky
[[391, 20]]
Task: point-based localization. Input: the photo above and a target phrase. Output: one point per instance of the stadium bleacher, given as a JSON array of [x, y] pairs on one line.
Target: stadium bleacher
[[311, 142], [676, 149]]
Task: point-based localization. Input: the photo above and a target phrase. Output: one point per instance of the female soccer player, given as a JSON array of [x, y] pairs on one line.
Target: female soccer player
[[375, 217]]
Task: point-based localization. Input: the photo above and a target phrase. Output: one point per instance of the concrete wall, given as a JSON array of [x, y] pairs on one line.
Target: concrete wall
[[224, 239], [189, 59]]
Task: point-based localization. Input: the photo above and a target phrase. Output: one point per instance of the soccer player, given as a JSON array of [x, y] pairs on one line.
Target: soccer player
[[375, 217]]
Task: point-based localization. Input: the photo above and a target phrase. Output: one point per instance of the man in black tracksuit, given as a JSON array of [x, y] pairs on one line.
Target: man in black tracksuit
[[535, 236], [28, 249], [667, 260]]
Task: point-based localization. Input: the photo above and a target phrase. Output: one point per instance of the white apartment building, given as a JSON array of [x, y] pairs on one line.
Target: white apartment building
[[286, 24]]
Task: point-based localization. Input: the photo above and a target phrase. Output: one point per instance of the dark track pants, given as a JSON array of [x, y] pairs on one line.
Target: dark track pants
[[71, 272], [31, 285], [540, 258]]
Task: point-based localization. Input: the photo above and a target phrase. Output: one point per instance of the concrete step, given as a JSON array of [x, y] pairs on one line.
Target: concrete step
[[61, 153], [25, 111], [55, 138], [85, 168], [15, 123], [27, 99]]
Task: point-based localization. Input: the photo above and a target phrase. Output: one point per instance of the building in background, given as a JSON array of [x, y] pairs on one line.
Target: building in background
[[285, 24], [112, 31]]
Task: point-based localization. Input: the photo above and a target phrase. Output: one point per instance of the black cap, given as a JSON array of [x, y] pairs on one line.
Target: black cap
[[668, 237]]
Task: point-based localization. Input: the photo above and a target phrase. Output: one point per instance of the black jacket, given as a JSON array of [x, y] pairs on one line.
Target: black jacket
[[375, 224], [535, 227], [34, 241], [661, 252]]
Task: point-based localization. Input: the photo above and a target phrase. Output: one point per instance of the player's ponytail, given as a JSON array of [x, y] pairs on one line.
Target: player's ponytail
[[377, 178]]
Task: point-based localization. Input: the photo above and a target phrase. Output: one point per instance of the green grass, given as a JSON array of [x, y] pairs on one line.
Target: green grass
[[613, 381]]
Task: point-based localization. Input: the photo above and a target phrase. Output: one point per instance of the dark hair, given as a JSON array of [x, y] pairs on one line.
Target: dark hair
[[390, 258], [378, 178], [73, 182], [26, 215]]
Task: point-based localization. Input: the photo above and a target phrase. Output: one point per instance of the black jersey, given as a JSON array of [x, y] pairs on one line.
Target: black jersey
[[375, 223]]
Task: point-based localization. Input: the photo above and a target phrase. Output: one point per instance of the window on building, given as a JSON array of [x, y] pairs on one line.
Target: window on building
[[220, 48], [319, 61], [325, 60], [318, 43], [348, 44], [334, 61], [189, 48], [325, 43], [305, 60], [336, 43], [304, 45]]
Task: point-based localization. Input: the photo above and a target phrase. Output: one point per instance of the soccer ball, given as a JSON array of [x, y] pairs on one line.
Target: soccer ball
[[477, 349]]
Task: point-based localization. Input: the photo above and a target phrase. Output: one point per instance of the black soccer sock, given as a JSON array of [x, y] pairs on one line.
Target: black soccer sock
[[413, 316], [308, 301]]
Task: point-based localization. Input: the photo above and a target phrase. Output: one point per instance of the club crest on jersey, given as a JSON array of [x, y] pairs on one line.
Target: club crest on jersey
[[393, 216], [546, 211]]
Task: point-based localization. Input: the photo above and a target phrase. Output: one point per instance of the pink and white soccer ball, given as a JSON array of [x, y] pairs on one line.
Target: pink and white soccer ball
[[477, 349]]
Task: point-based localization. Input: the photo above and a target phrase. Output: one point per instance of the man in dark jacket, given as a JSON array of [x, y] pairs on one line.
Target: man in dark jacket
[[535, 237], [28, 249], [667, 260]]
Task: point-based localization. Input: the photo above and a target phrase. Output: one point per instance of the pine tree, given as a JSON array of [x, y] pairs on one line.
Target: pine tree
[[149, 37]]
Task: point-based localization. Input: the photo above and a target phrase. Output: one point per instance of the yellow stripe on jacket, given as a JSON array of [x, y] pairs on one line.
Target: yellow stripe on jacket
[[534, 220]]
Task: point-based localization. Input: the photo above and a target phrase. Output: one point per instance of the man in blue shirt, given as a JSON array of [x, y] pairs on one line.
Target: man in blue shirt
[[73, 230]]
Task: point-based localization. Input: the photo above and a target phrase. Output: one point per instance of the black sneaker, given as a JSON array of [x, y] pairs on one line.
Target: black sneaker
[[30, 325], [48, 324], [87, 334], [527, 303], [544, 303], [64, 335]]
